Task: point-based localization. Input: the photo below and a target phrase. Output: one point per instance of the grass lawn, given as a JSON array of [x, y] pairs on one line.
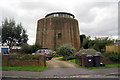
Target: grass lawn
[[91, 68], [24, 68], [65, 67], [36, 68], [106, 66], [56, 56]]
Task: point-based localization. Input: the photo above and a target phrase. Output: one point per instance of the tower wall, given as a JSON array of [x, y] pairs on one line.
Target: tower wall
[[55, 31]]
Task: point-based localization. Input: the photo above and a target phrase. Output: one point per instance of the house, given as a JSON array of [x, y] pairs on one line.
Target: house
[[4, 49]]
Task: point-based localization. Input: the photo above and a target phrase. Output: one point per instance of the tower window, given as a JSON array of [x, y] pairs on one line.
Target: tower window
[[59, 35]]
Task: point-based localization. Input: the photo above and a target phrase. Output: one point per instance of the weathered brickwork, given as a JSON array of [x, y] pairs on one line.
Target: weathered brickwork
[[55, 31]]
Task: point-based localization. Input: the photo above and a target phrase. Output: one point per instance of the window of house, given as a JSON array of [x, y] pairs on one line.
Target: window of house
[[59, 35]]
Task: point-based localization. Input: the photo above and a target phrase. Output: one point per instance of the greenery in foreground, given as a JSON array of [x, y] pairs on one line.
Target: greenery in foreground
[[66, 51], [106, 66], [114, 56], [25, 68]]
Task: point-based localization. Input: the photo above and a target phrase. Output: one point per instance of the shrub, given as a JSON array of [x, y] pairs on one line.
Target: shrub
[[24, 57], [31, 49], [26, 49], [112, 55], [66, 51], [14, 56]]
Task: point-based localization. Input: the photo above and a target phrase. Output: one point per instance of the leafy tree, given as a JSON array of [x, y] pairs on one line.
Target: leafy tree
[[85, 43], [65, 51], [82, 37], [97, 44], [100, 43], [13, 34]]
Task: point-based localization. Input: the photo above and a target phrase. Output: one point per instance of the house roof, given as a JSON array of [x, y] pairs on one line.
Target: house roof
[[117, 43]]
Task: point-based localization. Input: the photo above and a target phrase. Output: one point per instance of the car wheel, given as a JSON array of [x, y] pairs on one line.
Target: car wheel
[[49, 58]]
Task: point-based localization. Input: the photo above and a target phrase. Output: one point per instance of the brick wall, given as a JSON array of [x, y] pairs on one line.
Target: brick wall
[[6, 61], [108, 61]]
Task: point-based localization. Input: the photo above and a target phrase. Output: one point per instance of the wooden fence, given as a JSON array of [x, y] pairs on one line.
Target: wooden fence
[[113, 49]]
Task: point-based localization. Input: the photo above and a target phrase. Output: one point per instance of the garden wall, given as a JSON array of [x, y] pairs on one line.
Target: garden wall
[[6, 61], [113, 48], [107, 61]]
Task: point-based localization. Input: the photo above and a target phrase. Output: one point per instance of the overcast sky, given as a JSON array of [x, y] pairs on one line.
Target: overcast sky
[[95, 18]]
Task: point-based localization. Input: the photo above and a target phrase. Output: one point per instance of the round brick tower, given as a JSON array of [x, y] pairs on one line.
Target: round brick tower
[[57, 29]]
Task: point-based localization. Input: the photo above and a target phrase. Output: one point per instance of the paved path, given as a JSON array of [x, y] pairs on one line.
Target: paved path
[[55, 63]]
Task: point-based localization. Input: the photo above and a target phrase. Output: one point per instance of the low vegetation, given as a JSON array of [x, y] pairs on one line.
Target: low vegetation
[[106, 66], [112, 55], [24, 68], [30, 49], [91, 68], [24, 57], [66, 51], [97, 44]]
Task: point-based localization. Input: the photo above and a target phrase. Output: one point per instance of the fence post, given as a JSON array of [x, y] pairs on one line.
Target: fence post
[[42, 60]]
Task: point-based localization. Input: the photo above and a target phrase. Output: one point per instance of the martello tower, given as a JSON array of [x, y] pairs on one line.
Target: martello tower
[[56, 29]]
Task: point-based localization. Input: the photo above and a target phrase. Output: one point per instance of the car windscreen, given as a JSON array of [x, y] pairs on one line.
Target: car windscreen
[[39, 51], [50, 51]]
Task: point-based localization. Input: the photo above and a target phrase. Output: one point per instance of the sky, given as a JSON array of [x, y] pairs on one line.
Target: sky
[[96, 18]]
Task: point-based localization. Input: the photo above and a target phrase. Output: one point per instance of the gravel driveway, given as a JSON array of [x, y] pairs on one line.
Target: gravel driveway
[[55, 63]]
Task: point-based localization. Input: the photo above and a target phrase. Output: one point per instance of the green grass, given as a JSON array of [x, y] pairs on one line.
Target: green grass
[[62, 59], [106, 66], [91, 68], [72, 61], [56, 56], [24, 68], [65, 67]]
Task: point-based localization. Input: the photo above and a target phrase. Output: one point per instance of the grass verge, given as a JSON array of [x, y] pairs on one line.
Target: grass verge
[[65, 67], [91, 68], [106, 66], [24, 68], [56, 56]]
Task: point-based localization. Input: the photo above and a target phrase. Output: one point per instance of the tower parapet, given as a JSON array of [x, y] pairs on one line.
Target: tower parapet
[[60, 14]]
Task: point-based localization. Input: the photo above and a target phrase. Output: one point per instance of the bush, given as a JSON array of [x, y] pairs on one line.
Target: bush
[[24, 57], [14, 56], [112, 55], [66, 51], [31, 49]]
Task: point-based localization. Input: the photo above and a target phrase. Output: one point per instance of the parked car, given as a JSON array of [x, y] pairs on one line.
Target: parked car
[[47, 52]]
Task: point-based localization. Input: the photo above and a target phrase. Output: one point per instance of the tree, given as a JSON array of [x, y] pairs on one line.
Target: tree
[[100, 43], [82, 37], [85, 43], [13, 34]]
